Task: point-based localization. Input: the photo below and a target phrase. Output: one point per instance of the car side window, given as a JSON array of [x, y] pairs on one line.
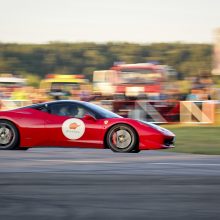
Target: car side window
[[82, 112], [67, 109], [61, 109]]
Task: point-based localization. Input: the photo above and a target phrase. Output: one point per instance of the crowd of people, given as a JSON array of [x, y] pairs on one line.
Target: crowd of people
[[29, 94], [22, 93], [201, 89]]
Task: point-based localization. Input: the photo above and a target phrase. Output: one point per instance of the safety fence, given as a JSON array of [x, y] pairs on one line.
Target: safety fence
[[161, 111], [168, 111]]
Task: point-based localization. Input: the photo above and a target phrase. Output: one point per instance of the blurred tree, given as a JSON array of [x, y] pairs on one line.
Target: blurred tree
[[85, 57], [32, 80]]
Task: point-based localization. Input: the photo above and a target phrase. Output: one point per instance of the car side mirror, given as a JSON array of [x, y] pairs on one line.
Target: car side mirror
[[89, 117]]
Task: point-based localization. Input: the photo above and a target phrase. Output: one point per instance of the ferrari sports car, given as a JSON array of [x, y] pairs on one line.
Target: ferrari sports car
[[78, 124]]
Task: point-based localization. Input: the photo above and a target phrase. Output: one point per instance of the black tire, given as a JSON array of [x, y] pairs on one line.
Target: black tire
[[122, 138], [22, 148], [135, 151], [9, 136]]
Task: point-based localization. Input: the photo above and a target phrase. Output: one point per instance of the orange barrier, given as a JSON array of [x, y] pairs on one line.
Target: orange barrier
[[198, 111]]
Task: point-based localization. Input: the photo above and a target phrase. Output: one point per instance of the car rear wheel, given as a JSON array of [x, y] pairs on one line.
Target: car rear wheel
[[9, 136], [122, 138]]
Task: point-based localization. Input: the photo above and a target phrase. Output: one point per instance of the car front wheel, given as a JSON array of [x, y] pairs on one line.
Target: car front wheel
[[122, 138]]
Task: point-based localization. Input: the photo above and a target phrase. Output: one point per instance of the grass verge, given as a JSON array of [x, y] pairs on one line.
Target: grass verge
[[196, 139]]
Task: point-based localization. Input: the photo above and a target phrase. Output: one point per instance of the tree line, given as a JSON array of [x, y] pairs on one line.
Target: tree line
[[37, 60]]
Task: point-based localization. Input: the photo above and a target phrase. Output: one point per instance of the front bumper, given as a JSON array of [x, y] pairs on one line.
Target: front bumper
[[169, 142]]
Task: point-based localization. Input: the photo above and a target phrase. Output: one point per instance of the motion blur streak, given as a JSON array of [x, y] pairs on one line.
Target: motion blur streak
[[94, 184]]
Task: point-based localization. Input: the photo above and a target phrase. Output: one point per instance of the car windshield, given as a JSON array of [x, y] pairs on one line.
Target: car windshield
[[104, 113]]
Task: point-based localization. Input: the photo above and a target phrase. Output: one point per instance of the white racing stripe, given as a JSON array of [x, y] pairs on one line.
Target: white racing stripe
[[125, 162], [78, 161], [189, 164]]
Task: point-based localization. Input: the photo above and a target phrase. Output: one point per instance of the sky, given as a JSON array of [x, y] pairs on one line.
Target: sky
[[137, 21]]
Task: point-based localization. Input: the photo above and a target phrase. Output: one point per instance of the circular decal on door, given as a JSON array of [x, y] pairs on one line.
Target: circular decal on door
[[73, 128]]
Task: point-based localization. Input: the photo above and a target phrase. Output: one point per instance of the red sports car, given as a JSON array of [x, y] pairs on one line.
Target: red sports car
[[78, 124]]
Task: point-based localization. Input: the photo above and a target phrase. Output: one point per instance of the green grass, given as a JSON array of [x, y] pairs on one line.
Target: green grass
[[197, 139]]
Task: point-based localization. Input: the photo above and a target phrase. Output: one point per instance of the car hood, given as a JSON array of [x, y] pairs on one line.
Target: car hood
[[158, 128]]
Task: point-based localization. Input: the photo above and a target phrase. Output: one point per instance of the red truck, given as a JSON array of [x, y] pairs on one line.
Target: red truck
[[131, 80]]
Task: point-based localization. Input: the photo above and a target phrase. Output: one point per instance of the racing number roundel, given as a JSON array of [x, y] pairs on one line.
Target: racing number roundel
[[73, 128]]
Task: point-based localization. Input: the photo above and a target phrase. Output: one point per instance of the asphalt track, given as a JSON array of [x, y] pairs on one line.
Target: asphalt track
[[99, 184]]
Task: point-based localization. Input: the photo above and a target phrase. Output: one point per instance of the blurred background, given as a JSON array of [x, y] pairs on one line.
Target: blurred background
[[157, 61], [153, 60]]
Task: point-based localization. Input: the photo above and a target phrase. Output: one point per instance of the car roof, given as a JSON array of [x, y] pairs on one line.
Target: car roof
[[99, 111], [54, 102]]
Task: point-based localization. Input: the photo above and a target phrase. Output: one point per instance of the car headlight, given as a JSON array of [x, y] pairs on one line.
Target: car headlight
[[158, 128]]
